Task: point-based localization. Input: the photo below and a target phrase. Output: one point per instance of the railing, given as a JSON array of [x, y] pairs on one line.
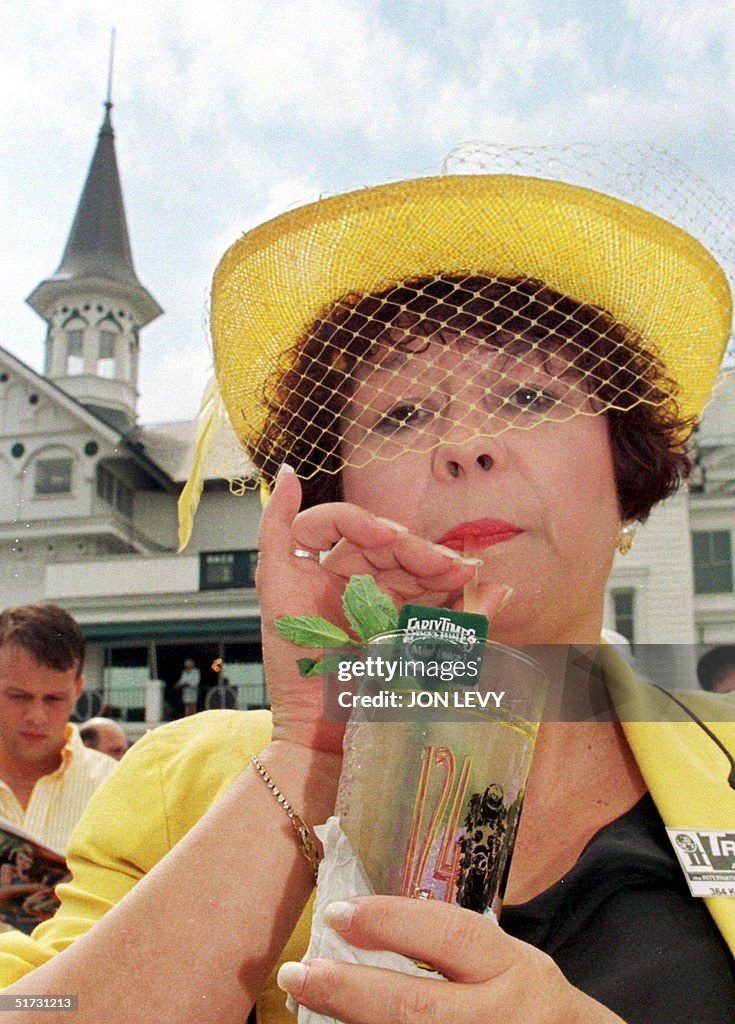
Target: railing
[[153, 701]]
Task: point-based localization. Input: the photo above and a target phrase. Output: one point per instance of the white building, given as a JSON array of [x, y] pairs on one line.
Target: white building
[[88, 501], [675, 587], [88, 496]]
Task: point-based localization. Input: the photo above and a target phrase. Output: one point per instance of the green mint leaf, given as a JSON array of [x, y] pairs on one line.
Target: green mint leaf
[[307, 667], [311, 631], [329, 663], [368, 610]]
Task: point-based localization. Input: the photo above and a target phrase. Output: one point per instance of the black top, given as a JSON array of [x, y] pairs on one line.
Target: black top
[[624, 928]]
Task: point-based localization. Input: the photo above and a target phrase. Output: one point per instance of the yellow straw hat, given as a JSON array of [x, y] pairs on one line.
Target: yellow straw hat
[[279, 278]]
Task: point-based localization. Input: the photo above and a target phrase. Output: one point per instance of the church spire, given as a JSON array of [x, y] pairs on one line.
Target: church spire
[[98, 246], [94, 303]]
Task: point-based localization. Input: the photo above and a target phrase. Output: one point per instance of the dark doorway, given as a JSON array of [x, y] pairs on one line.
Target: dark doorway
[[170, 663]]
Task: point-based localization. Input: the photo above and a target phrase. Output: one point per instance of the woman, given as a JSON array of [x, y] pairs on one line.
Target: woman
[[483, 379]]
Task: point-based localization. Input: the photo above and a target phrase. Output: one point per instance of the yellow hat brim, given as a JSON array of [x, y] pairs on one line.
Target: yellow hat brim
[[277, 279]]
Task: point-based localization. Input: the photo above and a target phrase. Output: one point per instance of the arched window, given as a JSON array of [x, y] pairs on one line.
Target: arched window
[[106, 353], [75, 349], [74, 330], [52, 476]]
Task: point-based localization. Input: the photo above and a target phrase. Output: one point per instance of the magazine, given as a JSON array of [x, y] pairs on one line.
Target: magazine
[[29, 872]]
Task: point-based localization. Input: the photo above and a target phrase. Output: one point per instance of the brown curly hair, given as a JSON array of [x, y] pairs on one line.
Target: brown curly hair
[[308, 394]]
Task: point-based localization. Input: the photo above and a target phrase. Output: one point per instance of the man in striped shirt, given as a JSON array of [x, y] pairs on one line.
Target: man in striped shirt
[[47, 775]]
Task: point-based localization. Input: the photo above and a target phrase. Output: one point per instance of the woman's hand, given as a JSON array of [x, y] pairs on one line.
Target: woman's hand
[[407, 567], [491, 976]]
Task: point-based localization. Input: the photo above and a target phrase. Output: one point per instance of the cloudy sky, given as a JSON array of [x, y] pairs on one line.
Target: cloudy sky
[[227, 113]]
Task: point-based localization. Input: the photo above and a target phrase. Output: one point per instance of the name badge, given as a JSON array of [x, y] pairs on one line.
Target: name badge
[[707, 859]]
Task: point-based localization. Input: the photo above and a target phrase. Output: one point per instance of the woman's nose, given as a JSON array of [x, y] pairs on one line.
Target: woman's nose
[[455, 459]]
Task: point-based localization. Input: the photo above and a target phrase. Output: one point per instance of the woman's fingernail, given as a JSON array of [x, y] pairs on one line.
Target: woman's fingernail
[[291, 977], [338, 915], [398, 527], [447, 552], [285, 470], [456, 556], [506, 597]]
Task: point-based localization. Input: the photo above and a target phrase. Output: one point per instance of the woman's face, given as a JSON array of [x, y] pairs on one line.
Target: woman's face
[[439, 439]]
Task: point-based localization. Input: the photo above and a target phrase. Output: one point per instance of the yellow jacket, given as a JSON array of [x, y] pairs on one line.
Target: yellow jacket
[[169, 779]]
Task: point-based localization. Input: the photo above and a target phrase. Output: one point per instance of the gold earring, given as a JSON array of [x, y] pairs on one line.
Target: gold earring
[[626, 533]]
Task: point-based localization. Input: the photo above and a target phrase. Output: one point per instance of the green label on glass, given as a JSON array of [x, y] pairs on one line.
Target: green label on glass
[[418, 620]]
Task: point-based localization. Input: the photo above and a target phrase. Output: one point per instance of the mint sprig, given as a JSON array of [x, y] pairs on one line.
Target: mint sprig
[[311, 631], [368, 610]]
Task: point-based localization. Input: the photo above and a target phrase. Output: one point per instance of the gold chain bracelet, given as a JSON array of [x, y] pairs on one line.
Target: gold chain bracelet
[[305, 835]]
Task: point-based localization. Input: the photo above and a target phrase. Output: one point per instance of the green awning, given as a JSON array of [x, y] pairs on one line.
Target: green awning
[[239, 630]]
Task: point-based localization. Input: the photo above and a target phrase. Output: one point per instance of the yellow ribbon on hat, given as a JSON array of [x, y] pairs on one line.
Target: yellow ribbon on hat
[[211, 412]]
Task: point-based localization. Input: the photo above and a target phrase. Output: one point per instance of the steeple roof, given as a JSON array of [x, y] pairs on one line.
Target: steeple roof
[[98, 248], [98, 243]]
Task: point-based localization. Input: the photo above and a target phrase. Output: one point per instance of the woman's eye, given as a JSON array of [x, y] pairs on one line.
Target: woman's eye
[[399, 416], [535, 399]]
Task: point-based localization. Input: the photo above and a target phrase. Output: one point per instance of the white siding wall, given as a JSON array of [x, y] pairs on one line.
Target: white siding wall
[[122, 577], [224, 522], [659, 568], [21, 575], [229, 523], [715, 508], [23, 564], [718, 423]]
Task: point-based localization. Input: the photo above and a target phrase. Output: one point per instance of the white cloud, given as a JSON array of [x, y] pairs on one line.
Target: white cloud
[[283, 195], [686, 30], [173, 382]]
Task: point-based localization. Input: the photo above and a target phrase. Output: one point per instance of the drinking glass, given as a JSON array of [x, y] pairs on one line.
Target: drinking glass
[[432, 787]]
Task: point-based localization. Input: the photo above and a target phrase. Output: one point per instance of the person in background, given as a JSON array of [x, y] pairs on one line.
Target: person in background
[[188, 683], [106, 735], [716, 669], [47, 775]]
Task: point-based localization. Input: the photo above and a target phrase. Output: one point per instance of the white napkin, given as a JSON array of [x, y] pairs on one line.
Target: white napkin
[[342, 876]]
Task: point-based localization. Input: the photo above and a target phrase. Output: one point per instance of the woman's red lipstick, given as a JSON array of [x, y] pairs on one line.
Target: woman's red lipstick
[[479, 533]]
